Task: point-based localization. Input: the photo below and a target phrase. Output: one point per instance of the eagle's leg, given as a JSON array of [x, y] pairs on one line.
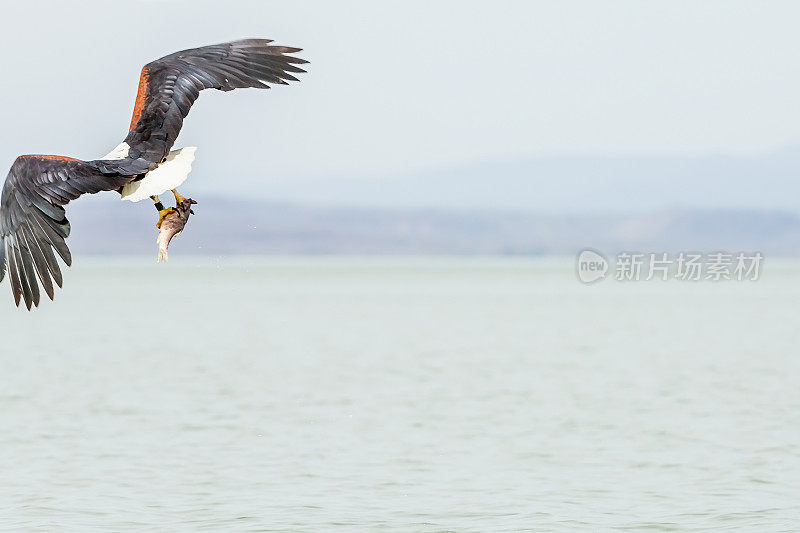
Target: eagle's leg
[[159, 205], [161, 211], [180, 199]]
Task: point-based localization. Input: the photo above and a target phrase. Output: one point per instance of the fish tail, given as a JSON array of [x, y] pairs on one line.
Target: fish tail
[[163, 246]]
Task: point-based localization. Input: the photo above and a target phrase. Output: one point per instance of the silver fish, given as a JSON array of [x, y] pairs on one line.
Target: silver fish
[[171, 225]]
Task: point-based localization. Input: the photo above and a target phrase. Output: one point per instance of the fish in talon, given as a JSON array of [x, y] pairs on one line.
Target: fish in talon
[[171, 225]]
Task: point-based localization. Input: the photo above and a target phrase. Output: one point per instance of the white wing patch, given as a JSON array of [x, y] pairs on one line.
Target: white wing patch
[[120, 152], [165, 177]]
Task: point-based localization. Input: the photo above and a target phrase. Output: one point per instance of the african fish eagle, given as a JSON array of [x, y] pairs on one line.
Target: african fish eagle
[[32, 217]]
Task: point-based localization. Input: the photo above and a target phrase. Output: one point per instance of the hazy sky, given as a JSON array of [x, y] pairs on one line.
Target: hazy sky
[[401, 86]]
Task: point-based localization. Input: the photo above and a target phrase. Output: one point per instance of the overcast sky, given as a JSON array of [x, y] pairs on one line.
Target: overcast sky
[[395, 87]]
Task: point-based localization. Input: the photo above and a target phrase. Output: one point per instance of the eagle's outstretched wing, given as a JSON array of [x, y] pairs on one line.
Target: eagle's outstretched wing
[[32, 218], [169, 86]]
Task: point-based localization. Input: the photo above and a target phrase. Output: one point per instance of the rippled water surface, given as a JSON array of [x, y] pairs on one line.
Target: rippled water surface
[[399, 394]]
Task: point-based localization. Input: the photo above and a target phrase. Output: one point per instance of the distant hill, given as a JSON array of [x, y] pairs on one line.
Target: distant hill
[[104, 225], [549, 205], [574, 184]]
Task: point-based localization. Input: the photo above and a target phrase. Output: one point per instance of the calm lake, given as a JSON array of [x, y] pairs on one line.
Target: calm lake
[[408, 394]]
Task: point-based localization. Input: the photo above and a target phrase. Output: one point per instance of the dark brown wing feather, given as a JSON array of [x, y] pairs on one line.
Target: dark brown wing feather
[[169, 86], [33, 221]]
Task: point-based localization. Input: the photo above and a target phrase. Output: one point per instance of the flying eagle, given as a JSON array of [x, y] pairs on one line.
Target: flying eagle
[[32, 217]]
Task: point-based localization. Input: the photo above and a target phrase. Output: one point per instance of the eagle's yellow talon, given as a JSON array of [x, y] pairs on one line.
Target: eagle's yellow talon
[[180, 199], [163, 214]]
